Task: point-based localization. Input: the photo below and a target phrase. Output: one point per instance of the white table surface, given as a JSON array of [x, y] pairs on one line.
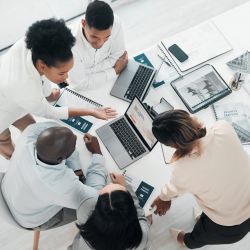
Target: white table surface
[[151, 168]]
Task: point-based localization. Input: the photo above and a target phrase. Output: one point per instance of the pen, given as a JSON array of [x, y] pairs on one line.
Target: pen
[[163, 59]]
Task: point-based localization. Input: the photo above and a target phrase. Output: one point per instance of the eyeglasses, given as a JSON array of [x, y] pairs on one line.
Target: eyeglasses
[[237, 81]]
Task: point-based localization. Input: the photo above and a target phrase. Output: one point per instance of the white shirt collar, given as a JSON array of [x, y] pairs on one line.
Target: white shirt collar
[[43, 164]]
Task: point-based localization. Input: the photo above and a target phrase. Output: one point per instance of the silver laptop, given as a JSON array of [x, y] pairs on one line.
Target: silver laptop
[[129, 137], [134, 80]]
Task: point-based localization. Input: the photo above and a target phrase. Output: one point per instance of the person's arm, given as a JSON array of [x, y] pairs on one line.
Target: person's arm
[[73, 161], [144, 223], [100, 113], [171, 190], [97, 174]]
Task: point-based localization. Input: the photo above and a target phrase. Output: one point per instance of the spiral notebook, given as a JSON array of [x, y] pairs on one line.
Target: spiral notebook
[[70, 98], [238, 115]]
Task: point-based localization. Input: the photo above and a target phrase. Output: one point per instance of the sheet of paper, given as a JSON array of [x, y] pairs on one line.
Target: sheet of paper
[[200, 43], [238, 115]]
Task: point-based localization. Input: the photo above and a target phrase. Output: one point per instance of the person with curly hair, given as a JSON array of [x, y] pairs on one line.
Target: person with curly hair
[[44, 54]]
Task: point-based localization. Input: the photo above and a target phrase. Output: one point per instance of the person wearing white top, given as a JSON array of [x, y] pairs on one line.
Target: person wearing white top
[[42, 187], [44, 53], [213, 166], [99, 51]]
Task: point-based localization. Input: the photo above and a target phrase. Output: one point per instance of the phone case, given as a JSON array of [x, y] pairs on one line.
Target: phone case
[[180, 55]]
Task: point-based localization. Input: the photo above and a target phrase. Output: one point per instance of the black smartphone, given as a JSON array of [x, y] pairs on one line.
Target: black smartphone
[[180, 55]]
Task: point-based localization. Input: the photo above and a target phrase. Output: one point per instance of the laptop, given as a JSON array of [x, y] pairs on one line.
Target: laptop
[[129, 137], [134, 80]]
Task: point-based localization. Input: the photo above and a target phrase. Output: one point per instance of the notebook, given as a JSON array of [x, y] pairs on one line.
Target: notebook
[[238, 115], [142, 189], [200, 88], [129, 137], [70, 98]]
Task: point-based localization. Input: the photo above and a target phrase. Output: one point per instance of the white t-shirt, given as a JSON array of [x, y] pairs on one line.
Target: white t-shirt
[[22, 90], [93, 67], [219, 178]]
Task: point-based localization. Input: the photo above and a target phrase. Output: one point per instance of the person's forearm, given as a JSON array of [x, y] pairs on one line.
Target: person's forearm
[[73, 112]]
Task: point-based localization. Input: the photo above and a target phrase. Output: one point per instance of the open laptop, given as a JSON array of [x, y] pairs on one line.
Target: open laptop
[[134, 80], [129, 137]]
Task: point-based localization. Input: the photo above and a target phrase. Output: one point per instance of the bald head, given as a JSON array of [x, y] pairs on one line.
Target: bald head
[[55, 144]]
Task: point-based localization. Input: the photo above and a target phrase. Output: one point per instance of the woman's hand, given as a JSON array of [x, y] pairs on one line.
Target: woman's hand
[[55, 94], [104, 113], [161, 206]]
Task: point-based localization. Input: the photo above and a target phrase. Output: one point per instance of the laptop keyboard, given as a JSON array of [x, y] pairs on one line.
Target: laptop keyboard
[[138, 83], [127, 138]]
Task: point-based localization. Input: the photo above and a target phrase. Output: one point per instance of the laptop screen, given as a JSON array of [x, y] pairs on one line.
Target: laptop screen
[[142, 121]]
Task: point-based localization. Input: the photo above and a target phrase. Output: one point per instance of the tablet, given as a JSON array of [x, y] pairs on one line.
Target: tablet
[[200, 88]]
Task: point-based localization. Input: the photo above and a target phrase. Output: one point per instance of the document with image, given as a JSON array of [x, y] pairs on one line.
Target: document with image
[[238, 114], [200, 88]]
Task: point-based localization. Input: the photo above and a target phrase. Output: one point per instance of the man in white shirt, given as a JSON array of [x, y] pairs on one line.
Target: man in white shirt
[[99, 51], [45, 53], [41, 187]]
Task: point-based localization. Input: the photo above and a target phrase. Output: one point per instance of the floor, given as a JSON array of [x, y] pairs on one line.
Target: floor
[[145, 22]]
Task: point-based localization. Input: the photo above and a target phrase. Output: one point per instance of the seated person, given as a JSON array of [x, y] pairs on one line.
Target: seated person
[[99, 51], [41, 186], [112, 221], [213, 166]]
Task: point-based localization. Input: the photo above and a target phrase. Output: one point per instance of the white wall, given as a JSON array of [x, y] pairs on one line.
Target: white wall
[[17, 15]]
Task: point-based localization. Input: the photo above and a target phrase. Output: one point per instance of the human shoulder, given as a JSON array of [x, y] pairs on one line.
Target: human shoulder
[[35, 129], [86, 207], [117, 25], [74, 27], [222, 126]]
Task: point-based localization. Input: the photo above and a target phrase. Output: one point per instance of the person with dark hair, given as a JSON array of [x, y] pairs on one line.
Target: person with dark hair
[[99, 52], [213, 166], [45, 53], [112, 221], [45, 183]]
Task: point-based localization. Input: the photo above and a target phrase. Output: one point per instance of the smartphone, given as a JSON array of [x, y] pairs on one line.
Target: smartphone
[[178, 53]]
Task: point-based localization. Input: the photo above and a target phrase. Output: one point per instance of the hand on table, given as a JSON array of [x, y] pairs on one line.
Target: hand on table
[[92, 144], [104, 113], [161, 206], [118, 179]]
